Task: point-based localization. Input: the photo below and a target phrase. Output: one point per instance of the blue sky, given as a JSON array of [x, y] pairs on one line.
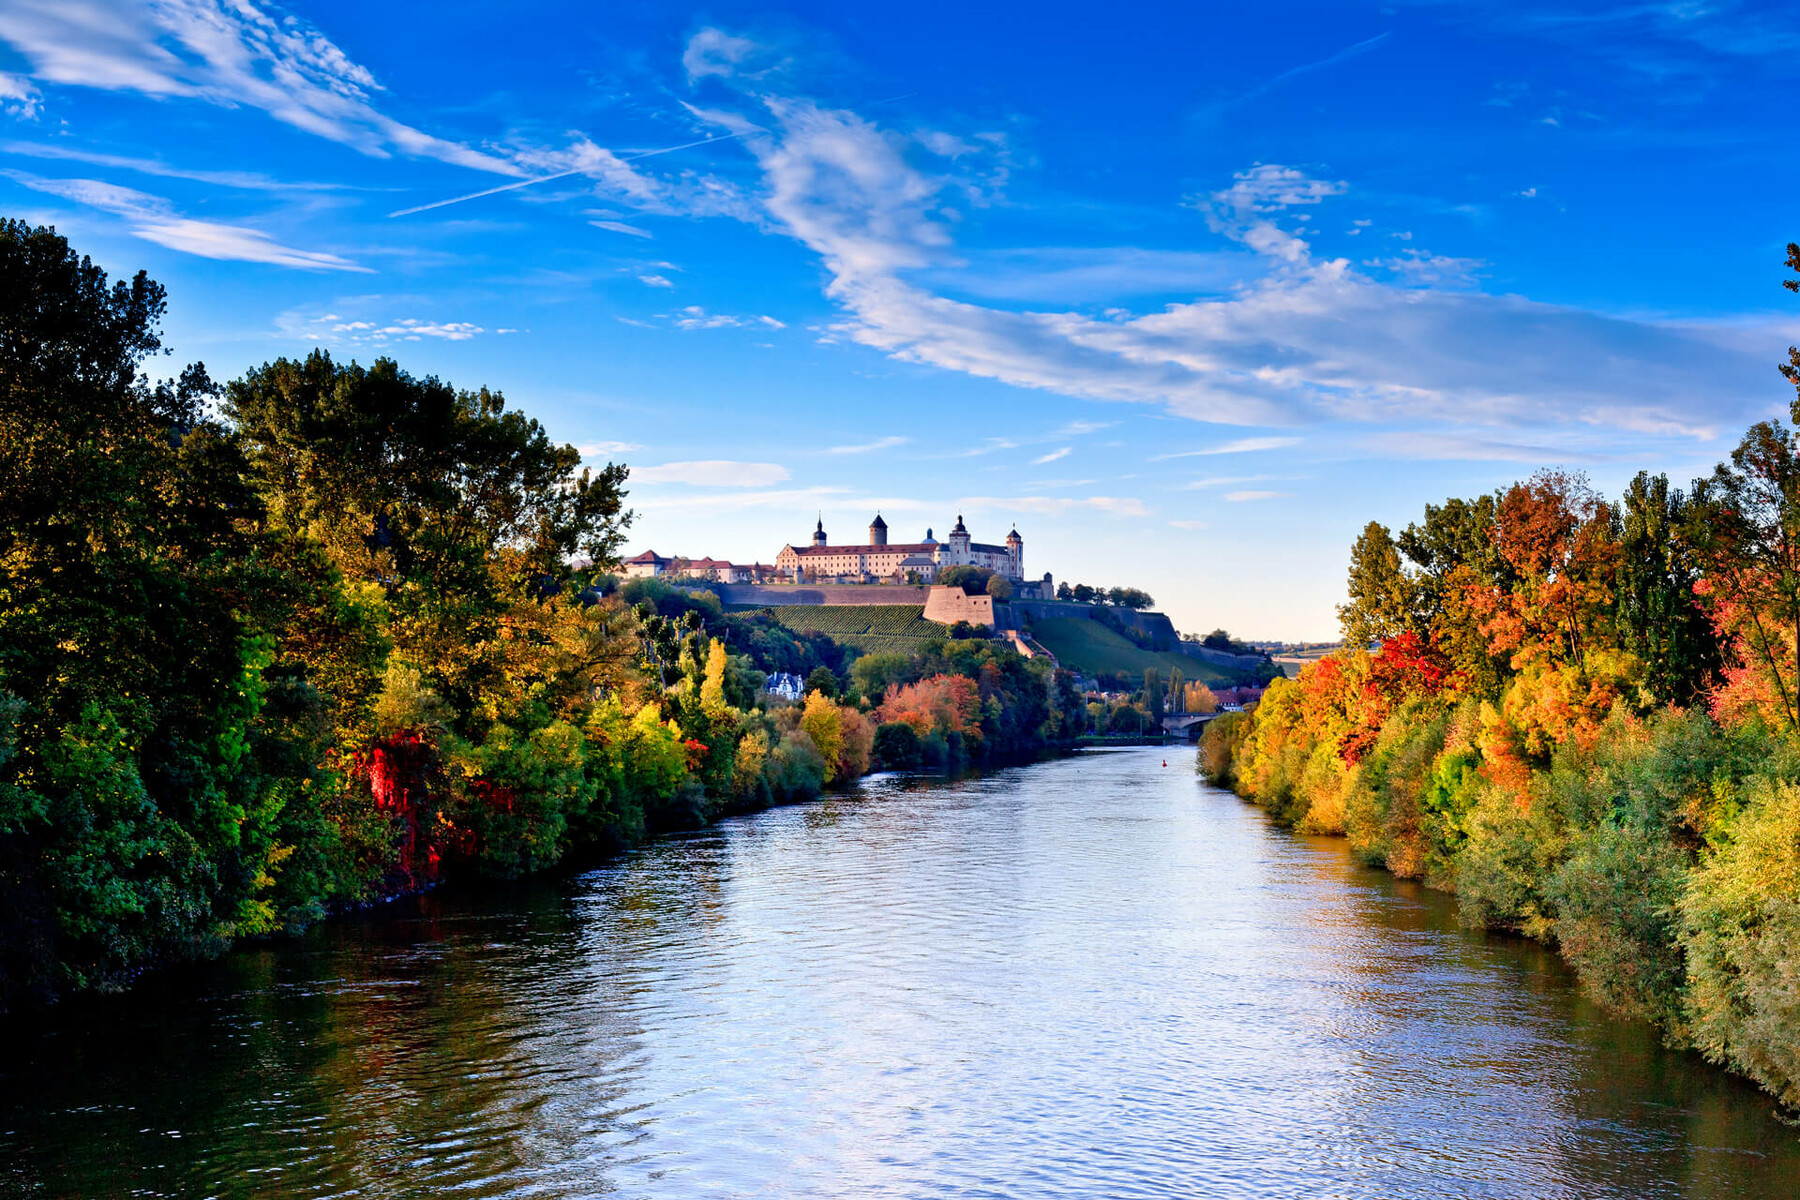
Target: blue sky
[[1188, 294]]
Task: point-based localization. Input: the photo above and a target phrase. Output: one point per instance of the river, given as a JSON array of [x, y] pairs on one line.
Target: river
[[1091, 976]]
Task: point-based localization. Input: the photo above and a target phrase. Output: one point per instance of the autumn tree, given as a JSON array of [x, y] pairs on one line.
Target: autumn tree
[[1744, 529]]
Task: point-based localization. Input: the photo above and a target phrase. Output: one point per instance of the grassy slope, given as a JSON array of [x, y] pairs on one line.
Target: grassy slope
[[869, 627], [1090, 647]]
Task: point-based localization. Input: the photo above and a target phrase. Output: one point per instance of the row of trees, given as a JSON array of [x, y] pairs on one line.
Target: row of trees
[[1124, 597], [315, 637], [1581, 716]]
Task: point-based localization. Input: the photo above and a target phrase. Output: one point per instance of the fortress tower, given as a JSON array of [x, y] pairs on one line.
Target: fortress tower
[[878, 531], [818, 538]]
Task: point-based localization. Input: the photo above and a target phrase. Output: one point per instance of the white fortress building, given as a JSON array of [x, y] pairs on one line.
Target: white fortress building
[[902, 562]]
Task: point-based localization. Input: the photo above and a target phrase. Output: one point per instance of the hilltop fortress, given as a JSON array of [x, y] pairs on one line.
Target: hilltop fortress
[[879, 560]]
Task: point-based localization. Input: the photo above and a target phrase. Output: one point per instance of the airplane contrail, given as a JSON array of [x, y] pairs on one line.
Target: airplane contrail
[[508, 187]]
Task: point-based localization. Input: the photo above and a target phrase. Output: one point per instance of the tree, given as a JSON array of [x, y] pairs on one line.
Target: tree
[[825, 680], [1000, 588], [1153, 695], [1177, 690], [1381, 593], [712, 691], [139, 812], [1064, 591], [1083, 594], [1745, 533], [1660, 617], [824, 726]]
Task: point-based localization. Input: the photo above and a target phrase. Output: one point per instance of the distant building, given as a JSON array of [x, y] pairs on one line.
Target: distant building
[[645, 565], [879, 559], [650, 564], [785, 686]]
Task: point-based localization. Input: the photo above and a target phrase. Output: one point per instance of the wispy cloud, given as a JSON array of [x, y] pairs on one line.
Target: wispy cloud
[[154, 220], [1471, 447], [1053, 456], [1250, 445], [1263, 89], [1188, 524], [226, 52], [410, 329], [242, 180], [886, 443], [1299, 340], [1118, 506], [1219, 481], [622, 227], [1249, 495], [713, 473], [661, 281], [597, 449], [696, 317]]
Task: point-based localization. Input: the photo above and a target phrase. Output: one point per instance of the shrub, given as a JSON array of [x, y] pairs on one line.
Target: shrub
[[1740, 924]]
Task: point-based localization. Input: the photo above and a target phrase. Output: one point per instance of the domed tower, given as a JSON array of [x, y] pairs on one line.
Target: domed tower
[[878, 531], [959, 543], [818, 538], [1015, 550]]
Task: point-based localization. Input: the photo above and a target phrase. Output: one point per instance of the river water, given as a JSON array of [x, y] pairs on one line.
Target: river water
[[1085, 977]]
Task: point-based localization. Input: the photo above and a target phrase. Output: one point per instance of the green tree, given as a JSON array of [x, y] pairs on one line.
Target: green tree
[[1659, 615], [1153, 695], [1000, 588], [137, 817], [1381, 593], [824, 679]]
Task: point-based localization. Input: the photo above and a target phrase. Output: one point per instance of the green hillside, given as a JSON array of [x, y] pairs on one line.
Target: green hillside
[[1091, 648], [871, 628]]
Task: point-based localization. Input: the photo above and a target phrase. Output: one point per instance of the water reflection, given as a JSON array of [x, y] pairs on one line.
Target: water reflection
[[1084, 977]]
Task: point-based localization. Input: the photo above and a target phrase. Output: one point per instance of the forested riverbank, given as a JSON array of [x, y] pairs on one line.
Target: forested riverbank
[[1582, 716], [331, 633]]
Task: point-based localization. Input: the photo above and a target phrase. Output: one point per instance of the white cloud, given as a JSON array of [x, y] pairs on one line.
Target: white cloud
[[18, 98], [1308, 340], [226, 52], [1053, 456], [1243, 496], [152, 219], [246, 180], [412, 329], [596, 449], [622, 227], [1188, 524], [713, 473], [661, 281], [1418, 267], [696, 317], [1249, 445], [886, 443], [715, 52]]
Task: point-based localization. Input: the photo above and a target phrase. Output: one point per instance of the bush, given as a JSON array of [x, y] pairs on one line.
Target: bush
[[1740, 924]]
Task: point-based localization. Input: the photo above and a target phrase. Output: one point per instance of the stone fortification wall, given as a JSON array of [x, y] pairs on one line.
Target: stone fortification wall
[[948, 605], [776, 594]]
